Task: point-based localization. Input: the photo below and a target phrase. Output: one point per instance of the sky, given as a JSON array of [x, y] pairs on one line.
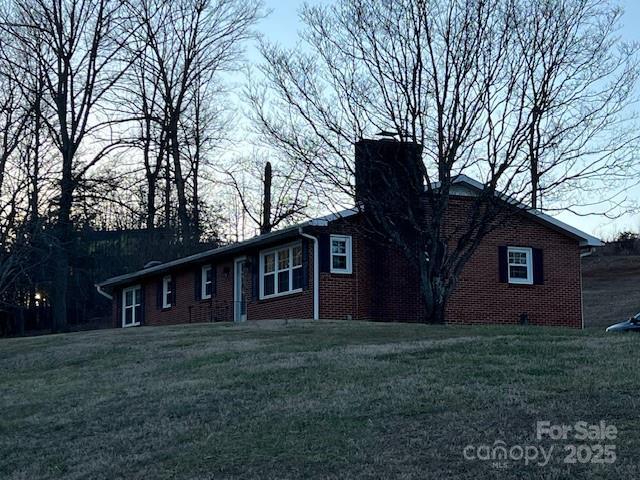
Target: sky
[[282, 25]]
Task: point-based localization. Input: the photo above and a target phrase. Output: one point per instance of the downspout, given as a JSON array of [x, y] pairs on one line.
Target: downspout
[[316, 274], [102, 292], [586, 253], [582, 255]]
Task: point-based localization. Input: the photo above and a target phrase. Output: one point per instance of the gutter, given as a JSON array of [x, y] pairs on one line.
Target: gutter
[[316, 274], [102, 292]]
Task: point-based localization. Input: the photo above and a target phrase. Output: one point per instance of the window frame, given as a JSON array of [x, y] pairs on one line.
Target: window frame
[[167, 289], [136, 321], [529, 255], [204, 282], [348, 254], [277, 270]]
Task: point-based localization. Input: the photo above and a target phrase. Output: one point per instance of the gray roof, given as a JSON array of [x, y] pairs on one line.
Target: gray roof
[[274, 236], [584, 239], [466, 186]]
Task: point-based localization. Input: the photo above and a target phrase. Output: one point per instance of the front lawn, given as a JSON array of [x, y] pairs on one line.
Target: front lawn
[[311, 399]]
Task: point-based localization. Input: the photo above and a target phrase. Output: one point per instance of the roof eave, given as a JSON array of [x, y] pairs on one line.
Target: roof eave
[[584, 239]]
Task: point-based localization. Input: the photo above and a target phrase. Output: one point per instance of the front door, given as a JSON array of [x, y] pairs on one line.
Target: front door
[[131, 306], [240, 291]]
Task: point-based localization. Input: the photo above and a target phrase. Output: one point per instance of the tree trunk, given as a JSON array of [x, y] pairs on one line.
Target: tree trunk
[[63, 233], [151, 201], [167, 193], [535, 179], [266, 201], [183, 214], [432, 285]]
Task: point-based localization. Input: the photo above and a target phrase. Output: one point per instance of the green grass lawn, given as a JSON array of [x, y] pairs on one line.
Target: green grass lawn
[[323, 399]]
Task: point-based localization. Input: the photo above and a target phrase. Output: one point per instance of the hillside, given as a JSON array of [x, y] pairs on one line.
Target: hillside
[[310, 400], [611, 288]]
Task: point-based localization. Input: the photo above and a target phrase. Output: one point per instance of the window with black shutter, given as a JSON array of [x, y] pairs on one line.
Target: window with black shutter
[[520, 265]]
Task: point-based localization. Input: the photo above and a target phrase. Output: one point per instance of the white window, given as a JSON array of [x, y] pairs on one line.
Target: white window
[[207, 281], [281, 271], [167, 291], [519, 264], [131, 306], [340, 254]]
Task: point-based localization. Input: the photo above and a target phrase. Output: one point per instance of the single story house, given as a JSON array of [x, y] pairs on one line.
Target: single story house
[[326, 268]]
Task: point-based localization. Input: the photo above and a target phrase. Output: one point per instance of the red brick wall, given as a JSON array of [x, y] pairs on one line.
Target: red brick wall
[[340, 294], [221, 306], [480, 297], [383, 286]]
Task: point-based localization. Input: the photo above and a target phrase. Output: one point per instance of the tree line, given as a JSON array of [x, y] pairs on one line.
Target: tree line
[[117, 115]]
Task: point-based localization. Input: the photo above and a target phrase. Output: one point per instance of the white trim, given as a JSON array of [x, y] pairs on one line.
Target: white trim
[[461, 180], [276, 270], [102, 292], [203, 281], [316, 275], [529, 253], [136, 321], [237, 317], [586, 240], [166, 282], [348, 254], [230, 249]]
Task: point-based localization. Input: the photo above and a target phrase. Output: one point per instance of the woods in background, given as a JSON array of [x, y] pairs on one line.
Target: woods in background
[[111, 114]]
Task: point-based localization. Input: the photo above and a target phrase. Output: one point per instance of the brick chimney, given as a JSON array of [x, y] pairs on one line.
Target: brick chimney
[[387, 171]]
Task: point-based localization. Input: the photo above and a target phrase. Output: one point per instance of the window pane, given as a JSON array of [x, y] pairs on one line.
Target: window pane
[[516, 271], [338, 246], [339, 262], [138, 295], [297, 256], [138, 314], [283, 281], [269, 284], [167, 298], [207, 288], [128, 298], [518, 258], [297, 278], [269, 262], [208, 274], [128, 315], [283, 259]]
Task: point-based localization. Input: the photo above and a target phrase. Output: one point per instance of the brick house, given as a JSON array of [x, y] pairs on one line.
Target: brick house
[[326, 268]]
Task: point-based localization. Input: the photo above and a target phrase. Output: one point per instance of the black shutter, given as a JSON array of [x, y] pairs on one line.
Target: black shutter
[[255, 273], [214, 280], [305, 264], [197, 284], [538, 268], [324, 254], [503, 274], [159, 295], [173, 291], [142, 309], [118, 298]]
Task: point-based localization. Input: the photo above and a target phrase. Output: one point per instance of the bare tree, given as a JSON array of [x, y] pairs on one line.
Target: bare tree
[[580, 89], [449, 76], [188, 42], [79, 47], [270, 197]]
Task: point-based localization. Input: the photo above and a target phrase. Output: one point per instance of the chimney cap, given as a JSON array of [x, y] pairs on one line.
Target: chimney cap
[[393, 135], [387, 133]]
